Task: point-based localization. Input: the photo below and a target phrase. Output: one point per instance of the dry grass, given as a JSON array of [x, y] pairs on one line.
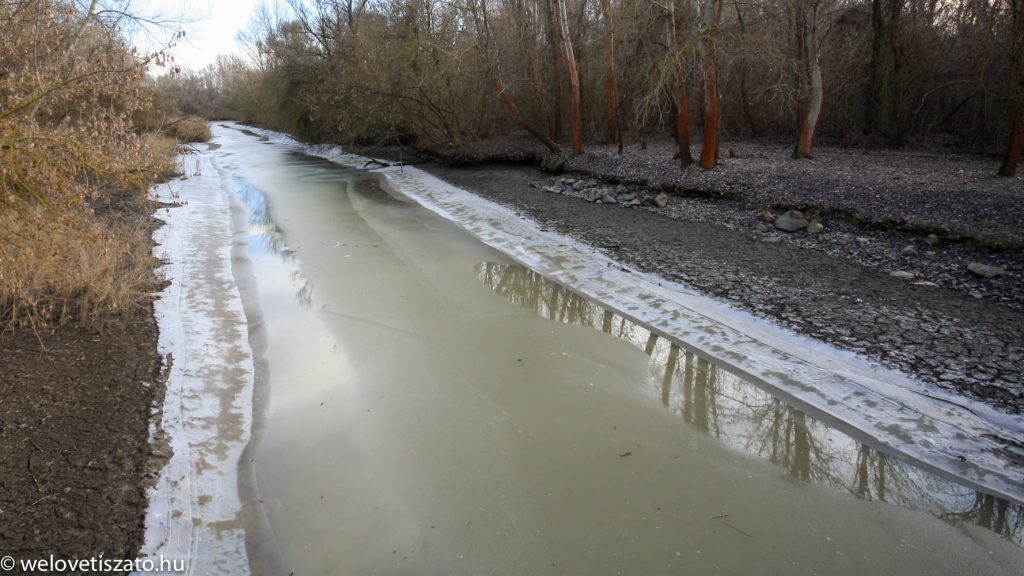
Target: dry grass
[[189, 129], [88, 262], [74, 268]]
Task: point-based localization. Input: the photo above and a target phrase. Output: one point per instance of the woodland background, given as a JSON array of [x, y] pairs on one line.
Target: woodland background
[[946, 73]]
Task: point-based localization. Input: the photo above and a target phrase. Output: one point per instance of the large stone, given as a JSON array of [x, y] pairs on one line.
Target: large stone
[[766, 217], [902, 275], [931, 240], [985, 271], [791, 221], [661, 200], [815, 227]]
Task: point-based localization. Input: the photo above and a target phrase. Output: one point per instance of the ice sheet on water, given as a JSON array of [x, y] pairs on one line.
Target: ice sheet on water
[[967, 440]]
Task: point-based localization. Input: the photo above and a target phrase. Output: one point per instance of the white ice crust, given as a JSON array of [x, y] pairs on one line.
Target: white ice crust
[[194, 508], [948, 434]]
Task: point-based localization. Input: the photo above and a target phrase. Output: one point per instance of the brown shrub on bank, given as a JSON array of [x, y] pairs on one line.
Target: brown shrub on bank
[[74, 171], [73, 267], [189, 129], [73, 251]]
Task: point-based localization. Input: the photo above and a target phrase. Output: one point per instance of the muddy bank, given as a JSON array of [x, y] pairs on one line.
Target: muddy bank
[[956, 196], [952, 336], [74, 435]]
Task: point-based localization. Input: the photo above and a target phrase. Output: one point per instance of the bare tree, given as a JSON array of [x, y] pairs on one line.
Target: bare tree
[[574, 78], [1013, 150], [614, 126], [711, 15], [494, 73], [882, 107], [808, 24], [682, 128]]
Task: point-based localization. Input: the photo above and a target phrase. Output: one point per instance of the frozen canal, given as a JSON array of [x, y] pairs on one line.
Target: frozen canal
[[423, 404]]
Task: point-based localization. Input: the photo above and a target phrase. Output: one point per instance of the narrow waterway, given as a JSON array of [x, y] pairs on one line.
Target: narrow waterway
[[424, 405]]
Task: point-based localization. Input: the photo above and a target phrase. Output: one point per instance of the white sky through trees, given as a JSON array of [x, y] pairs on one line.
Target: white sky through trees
[[210, 28]]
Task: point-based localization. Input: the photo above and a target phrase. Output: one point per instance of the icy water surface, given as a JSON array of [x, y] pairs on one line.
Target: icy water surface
[[426, 406]]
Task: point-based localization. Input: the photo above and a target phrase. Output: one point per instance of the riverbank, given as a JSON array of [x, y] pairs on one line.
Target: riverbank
[[74, 439], [900, 292], [78, 397]]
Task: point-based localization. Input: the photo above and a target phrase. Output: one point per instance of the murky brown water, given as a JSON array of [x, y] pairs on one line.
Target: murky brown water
[[429, 407]]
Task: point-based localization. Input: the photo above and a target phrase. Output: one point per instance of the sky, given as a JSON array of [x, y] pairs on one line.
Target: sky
[[211, 30]]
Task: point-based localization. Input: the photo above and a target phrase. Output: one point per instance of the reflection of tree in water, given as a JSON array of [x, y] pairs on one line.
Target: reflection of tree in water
[[869, 480], [548, 299], [719, 403], [698, 383], [992, 513], [786, 440], [305, 292]]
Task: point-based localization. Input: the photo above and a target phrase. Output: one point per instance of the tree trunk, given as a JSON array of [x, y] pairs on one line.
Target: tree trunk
[[614, 127], [527, 37], [682, 114], [1013, 150], [748, 112], [514, 111], [811, 89], [682, 124], [574, 78], [552, 23], [882, 110], [709, 149], [1012, 159]]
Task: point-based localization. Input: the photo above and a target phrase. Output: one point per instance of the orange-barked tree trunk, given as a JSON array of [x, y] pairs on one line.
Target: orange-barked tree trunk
[[1012, 159], [1013, 151], [709, 149], [574, 79], [614, 126], [682, 115], [811, 91]]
